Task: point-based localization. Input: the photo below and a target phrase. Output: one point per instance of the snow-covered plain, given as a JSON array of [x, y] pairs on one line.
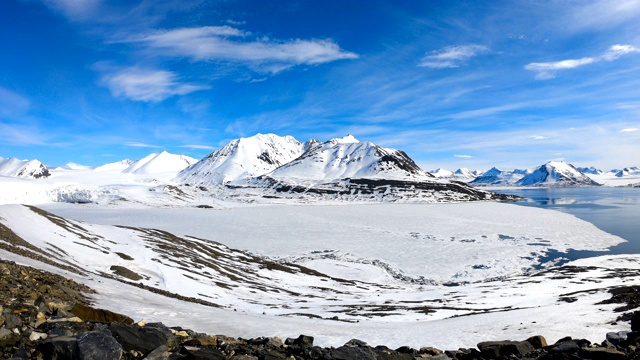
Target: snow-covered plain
[[364, 295], [444, 275]]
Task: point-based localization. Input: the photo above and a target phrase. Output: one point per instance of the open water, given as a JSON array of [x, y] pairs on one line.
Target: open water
[[614, 210]]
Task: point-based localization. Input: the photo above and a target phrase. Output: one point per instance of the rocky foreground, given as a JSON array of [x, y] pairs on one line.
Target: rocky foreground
[[45, 316]]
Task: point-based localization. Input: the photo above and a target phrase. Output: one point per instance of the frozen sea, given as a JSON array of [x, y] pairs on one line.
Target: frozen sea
[[614, 210]]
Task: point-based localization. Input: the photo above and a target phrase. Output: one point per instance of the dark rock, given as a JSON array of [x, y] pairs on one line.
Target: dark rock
[[194, 353], [160, 353], [352, 353], [616, 338], [601, 354], [304, 341], [493, 349], [124, 272], [202, 340], [57, 348], [355, 343], [87, 313], [141, 339], [97, 345], [8, 338], [538, 341], [12, 321], [407, 350], [635, 321]]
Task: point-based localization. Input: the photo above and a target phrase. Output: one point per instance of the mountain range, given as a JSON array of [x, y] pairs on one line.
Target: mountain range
[[337, 166]]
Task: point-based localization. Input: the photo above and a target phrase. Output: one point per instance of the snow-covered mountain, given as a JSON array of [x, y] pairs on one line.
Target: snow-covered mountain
[[349, 158], [441, 173], [118, 166], [23, 168], [244, 158], [589, 170], [628, 171], [556, 173], [462, 174], [497, 177], [160, 163], [74, 166]]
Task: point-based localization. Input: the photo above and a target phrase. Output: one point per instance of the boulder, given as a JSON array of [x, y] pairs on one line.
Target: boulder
[[616, 338], [142, 339], [635, 321], [537, 341], [97, 345], [493, 349], [195, 353], [87, 313], [601, 354], [57, 347]]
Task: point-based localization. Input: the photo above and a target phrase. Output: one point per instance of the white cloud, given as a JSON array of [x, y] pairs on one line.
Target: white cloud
[[600, 14], [451, 56], [463, 156], [199, 147], [77, 10], [539, 137], [147, 85], [629, 130], [616, 51], [141, 145], [12, 104], [228, 44], [547, 70]]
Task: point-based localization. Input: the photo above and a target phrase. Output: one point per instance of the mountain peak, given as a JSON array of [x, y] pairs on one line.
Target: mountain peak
[[349, 139]]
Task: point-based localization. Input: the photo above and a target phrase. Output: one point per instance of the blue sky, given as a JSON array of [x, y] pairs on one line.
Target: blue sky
[[454, 84]]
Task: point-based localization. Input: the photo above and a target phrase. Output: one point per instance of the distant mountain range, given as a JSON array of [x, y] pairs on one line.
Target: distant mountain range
[[337, 166]]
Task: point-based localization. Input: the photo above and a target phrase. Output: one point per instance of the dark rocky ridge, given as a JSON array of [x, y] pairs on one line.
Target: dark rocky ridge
[[45, 316], [369, 189]]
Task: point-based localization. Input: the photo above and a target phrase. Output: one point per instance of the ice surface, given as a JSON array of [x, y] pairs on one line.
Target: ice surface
[[475, 240]]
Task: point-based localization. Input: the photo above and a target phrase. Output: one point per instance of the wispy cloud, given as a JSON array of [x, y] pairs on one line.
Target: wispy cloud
[[147, 85], [601, 14], [198, 147], [11, 103], [22, 135], [463, 156], [76, 10], [630, 130], [141, 145], [451, 56], [538, 137], [547, 70], [226, 43]]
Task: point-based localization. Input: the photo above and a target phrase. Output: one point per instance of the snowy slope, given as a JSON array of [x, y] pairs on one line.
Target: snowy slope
[[497, 177], [441, 173], [23, 168], [115, 166], [618, 177], [244, 158], [556, 173], [353, 291], [349, 158], [160, 163], [74, 166]]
